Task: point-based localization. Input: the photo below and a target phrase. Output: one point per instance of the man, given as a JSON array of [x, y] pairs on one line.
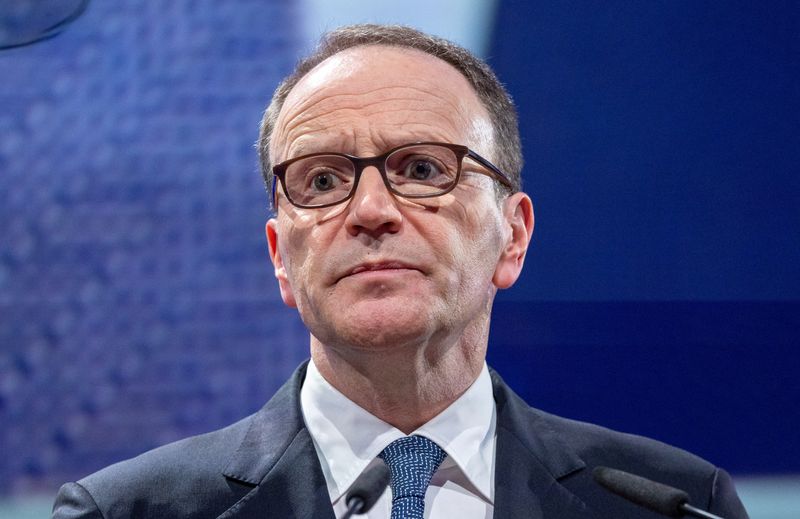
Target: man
[[398, 216]]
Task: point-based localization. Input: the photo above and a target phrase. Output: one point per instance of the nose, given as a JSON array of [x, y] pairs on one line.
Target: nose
[[373, 209]]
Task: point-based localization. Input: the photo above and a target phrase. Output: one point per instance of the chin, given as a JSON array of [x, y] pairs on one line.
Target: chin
[[364, 321], [378, 331]]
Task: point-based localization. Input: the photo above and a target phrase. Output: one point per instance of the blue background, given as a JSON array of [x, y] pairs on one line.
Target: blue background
[[661, 293]]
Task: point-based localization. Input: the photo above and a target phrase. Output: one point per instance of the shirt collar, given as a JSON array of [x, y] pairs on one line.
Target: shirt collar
[[348, 438]]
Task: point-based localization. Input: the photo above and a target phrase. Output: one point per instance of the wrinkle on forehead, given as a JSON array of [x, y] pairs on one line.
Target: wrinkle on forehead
[[339, 99], [370, 99], [398, 112]]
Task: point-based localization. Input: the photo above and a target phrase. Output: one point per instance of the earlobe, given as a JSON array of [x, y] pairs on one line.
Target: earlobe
[[518, 212], [277, 262]]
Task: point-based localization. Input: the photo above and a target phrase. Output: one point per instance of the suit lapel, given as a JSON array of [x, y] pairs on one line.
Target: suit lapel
[[277, 457], [293, 488], [530, 461]]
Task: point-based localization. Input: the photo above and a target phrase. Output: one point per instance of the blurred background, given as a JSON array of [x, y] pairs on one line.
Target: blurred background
[[661, 295]]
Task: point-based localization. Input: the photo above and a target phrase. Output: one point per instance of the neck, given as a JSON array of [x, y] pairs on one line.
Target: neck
[[405, 386]]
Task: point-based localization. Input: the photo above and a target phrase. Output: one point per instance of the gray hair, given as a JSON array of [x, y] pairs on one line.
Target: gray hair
[[495, 98]]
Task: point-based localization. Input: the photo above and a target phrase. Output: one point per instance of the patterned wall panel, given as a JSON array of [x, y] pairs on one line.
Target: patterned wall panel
[[137, 303]]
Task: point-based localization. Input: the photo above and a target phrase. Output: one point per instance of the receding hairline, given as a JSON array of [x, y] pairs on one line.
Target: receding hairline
[[400, 49]]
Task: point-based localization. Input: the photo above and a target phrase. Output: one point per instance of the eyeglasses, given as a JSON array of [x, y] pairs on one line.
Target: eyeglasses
[[419, 170]]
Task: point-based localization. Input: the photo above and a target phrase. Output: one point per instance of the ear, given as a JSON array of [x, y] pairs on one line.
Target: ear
[[518, 213], [277, 262]]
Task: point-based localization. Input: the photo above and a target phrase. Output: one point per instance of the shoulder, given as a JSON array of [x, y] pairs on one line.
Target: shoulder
[[571, 449], [201, 476], [708, 486], [184, 478], [595, 445], [600, 446]]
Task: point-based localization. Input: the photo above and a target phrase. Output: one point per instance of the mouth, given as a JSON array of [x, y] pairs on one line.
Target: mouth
[[379, 267]]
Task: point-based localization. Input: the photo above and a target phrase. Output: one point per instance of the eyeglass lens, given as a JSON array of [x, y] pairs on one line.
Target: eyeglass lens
[[414, 171]]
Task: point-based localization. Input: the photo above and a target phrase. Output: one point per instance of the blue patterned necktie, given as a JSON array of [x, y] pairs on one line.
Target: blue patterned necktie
[[412, 461]]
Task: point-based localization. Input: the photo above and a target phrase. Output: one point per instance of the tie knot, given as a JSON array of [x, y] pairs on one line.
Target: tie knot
[[412, 461]]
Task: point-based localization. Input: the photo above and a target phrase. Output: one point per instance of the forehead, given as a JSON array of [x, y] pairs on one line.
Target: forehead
[[368, 99]]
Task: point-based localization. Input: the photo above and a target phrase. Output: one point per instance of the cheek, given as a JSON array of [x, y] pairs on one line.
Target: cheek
[[481, 245], [469, 251], [311, 257], [295, 254]]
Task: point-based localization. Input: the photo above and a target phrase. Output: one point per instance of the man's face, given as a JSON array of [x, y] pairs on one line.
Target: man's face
[[379, 271]]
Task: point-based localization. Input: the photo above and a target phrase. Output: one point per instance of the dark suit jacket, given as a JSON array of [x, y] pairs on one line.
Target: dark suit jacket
[[265, 466]]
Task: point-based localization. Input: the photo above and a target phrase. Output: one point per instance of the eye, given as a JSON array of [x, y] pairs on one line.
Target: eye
[[323, 178], [324, 181], [421, 169]]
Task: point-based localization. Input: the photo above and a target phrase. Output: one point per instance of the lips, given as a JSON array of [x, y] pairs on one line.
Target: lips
[[378, 266]]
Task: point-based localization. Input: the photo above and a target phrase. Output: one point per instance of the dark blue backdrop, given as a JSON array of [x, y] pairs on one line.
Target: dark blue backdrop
[[661, 293]]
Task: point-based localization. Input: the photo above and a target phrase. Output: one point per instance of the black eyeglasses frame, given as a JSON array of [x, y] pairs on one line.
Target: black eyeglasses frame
[[379, 162]]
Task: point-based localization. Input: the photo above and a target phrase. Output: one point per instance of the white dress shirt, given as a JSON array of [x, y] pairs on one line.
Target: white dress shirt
[[348, 440]]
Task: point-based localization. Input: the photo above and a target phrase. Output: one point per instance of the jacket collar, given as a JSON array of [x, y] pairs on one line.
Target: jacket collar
[[277, 457], [531, 461], [272, 429]]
